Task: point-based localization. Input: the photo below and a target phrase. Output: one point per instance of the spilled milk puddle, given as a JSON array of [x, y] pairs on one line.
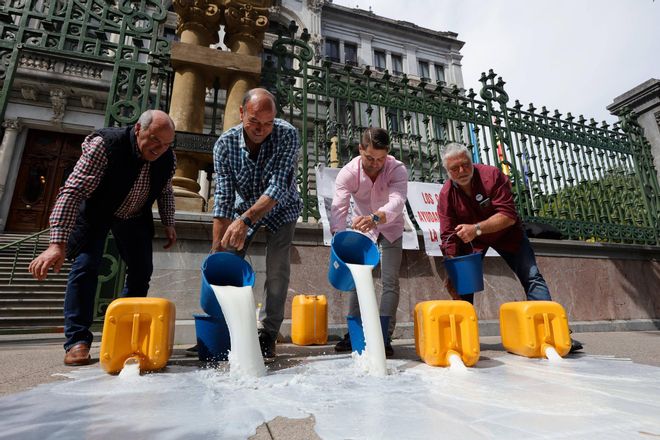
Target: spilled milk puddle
[[503, 397]]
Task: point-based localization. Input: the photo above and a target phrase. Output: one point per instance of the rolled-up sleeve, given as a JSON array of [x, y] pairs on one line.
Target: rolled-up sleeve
[[398, 193], [286, 163], [345, 185], [225, 195]]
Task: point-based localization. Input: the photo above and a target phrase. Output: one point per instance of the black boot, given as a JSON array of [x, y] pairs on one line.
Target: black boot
[[267, 344], [344, 345]]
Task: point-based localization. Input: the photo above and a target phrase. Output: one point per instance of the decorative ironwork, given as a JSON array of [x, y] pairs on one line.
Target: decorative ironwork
[[592, 182], [123, 35], [195, 142]]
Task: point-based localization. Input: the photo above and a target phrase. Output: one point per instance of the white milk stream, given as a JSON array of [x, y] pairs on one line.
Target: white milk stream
[[373, 335], [552, 354], [237, 304], [456, 363]]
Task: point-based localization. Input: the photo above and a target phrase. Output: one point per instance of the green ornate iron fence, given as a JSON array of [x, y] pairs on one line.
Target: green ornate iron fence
[[124, 35], [591, 182]]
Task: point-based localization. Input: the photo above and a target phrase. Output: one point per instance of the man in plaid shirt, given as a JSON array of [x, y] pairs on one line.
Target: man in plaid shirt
[[119, 175], [255, 165]]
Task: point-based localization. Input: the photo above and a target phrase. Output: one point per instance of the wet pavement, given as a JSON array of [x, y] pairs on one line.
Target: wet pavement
[[28, 361]]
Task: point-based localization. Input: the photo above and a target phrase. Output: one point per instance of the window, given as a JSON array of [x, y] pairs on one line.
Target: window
[[439, 73], [379, 60], [423, 71], [332, 50], [350, 54], [397, 65]]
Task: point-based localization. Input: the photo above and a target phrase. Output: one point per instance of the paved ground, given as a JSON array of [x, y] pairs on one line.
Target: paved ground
[[26, 362]]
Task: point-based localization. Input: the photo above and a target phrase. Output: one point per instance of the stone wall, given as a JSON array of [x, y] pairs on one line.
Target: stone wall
[[593, 281]]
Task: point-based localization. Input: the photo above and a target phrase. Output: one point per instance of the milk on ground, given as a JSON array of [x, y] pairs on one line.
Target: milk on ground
[[373, 335], [237, 304]]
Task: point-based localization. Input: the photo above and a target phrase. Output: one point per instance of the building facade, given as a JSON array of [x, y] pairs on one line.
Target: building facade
[[56, 100]]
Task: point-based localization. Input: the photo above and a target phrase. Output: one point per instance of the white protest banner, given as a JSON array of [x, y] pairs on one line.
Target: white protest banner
[[422, 198], [325, 190]]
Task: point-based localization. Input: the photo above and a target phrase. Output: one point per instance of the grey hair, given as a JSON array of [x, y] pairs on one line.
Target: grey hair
[[454, 149], [148, 116]]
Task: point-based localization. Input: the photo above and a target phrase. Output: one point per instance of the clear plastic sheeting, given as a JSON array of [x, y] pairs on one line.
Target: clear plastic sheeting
[[506, 397]]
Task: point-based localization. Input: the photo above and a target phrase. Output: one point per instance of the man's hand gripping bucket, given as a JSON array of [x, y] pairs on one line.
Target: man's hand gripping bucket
[[349, 247]]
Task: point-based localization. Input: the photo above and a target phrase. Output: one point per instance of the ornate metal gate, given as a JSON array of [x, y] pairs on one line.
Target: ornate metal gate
[[592, 182], [122, 36]]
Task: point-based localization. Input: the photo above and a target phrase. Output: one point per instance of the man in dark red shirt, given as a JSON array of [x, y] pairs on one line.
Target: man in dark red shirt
[[476, 206]]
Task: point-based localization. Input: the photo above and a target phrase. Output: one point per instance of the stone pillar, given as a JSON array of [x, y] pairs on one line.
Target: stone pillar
[[411, 59], [245, 25], [7, 147], [364, 49], [198, 25]]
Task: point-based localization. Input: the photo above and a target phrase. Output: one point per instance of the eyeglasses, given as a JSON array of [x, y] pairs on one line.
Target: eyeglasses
[[464, 165]]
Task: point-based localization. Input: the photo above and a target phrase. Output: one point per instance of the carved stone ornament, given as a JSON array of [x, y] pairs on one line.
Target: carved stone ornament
[[12, 124], [29, 93], [87, 101], [199, 16], [245, 23], [58, 99], [657, 118], [315, 5]]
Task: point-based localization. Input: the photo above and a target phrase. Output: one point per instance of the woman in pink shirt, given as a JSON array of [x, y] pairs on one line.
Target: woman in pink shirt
[[378, 184]]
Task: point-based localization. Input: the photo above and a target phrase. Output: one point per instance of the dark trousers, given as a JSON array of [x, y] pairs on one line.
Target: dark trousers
[[523, 263], [133, 238]]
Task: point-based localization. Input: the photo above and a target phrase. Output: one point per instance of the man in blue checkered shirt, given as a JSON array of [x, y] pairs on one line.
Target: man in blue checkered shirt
[[255, 164]]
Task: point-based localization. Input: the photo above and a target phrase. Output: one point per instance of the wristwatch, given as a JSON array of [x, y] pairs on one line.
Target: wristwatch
[[375, 218], [478, 229], [245, 219]]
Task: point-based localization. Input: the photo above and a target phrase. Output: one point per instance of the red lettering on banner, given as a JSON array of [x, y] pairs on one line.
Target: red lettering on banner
[[428, 216], [433, 235]]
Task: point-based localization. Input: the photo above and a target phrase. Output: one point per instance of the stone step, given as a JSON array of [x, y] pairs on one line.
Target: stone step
[[29, 312], [32, 288], [26, 278], [7, 322], [31, 329], [8, 303]]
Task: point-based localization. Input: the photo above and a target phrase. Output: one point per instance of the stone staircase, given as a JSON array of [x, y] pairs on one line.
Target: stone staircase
[[28, 305]]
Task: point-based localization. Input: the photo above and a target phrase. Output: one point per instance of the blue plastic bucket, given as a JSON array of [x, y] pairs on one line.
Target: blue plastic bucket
[[353, 248], [222, 269], [466, 273], [213, 341], [356, 332]]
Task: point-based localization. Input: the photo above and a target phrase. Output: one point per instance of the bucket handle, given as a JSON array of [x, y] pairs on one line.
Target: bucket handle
[[451, 235]]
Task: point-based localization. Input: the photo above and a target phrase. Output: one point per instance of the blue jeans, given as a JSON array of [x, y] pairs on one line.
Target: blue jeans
[[133, 238], [523, 263]]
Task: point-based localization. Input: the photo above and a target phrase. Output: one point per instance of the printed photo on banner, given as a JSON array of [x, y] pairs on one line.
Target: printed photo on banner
[[325, 189]]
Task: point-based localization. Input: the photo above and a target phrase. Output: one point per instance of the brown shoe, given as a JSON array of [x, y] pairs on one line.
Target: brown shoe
[[78, 354]]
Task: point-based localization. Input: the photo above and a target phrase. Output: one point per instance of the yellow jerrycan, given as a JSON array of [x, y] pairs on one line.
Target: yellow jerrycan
[[528, 328], [309, 320], [446, 327], [138, 330]]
